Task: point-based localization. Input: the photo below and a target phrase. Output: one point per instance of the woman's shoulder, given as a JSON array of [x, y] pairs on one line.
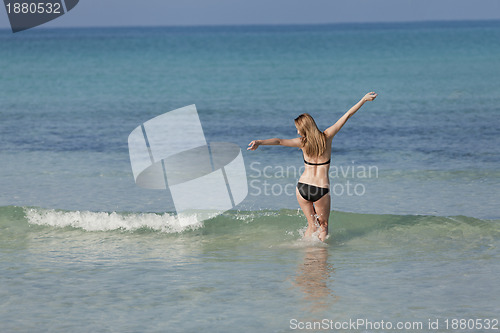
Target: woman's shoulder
[[327, 137]]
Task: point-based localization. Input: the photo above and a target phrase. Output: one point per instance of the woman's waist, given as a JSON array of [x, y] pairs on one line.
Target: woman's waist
[[316, 181]]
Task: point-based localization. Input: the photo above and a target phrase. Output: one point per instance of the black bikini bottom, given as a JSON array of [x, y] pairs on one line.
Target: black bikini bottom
[[310, 192]]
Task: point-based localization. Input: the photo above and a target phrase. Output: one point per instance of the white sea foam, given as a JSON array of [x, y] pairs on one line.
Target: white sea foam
[[103, 221]]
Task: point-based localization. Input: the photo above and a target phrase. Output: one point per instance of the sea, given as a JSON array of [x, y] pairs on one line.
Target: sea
[[414, 243]]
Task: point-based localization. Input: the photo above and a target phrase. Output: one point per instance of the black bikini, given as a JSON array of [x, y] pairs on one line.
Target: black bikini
[[327, 162], [310, 192]]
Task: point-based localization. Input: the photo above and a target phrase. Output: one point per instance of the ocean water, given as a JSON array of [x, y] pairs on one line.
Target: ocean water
[[415, 227]]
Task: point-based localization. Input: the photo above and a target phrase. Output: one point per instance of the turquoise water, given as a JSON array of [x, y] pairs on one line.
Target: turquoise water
[[415, 177], [246, 270]]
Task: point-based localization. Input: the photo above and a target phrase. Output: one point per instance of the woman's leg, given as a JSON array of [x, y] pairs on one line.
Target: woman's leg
[[322, 208], [309, 212]]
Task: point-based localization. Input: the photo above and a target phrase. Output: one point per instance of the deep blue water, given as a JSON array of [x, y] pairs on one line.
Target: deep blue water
[[70, 97]]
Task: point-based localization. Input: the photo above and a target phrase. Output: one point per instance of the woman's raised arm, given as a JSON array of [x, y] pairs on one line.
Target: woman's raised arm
[[335, 128]]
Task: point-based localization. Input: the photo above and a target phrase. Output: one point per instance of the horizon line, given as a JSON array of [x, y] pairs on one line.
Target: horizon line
[[222, 25]]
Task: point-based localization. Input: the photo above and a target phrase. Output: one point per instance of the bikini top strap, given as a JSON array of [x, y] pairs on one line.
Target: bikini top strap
[[327, 162]]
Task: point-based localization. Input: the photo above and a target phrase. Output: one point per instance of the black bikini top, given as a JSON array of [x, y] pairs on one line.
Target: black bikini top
[[327, 162]]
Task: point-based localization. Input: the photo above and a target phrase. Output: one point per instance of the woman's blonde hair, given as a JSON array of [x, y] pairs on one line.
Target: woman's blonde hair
[[313, 140]]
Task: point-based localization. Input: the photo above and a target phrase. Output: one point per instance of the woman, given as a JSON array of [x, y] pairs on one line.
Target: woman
[[313, 187]]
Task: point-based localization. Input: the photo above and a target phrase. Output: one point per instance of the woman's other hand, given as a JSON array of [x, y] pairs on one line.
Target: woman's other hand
[[253, 145], [370, 96]]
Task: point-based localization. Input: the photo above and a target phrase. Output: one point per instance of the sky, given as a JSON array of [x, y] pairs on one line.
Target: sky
[[100, 13]]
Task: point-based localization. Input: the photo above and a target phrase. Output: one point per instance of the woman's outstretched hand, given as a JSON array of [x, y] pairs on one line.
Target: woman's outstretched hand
[[370, 96], [253, 145]]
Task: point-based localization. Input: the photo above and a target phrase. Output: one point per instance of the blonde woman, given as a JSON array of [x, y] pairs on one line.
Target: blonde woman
[[314, 185]]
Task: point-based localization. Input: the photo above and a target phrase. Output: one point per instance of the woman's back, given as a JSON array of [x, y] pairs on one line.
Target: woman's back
[[316, 169]]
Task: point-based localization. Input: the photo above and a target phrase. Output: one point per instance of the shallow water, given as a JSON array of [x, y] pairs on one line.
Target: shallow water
[[241, 270]]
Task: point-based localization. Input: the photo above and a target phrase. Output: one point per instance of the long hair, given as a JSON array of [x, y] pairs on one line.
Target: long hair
[[313, 140]]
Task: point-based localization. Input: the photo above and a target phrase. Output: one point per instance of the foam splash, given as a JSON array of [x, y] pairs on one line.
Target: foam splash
[[103, 221]]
